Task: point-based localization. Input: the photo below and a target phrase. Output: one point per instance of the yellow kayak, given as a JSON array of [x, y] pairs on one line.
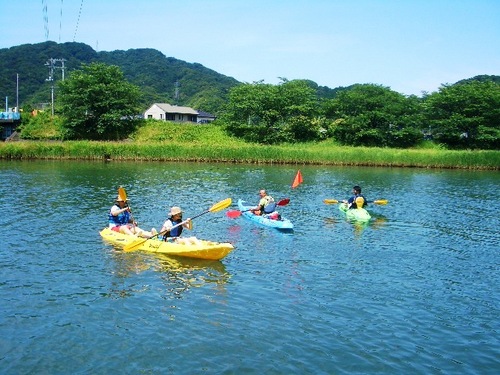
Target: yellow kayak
[[201, 250]]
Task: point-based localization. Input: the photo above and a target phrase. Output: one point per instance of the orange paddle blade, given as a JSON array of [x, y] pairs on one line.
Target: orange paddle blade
[[122, 193]]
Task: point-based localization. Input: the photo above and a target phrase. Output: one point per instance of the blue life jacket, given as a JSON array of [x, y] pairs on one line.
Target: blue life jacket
[[120, 219], [175, 232]]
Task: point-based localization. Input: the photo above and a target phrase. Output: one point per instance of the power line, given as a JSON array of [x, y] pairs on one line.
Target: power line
[[78, 20], [60, 21], [45, 19]]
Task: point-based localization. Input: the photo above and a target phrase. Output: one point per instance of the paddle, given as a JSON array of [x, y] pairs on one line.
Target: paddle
[[216, 207], [334, 201], [123, 195], [236, 213]]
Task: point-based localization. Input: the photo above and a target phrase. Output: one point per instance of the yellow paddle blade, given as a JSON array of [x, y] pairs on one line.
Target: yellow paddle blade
[[330, 201], [381, 201], [122, 193], [221, 205]]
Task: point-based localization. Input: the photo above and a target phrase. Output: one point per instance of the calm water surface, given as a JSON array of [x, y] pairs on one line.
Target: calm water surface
[[415, 291]]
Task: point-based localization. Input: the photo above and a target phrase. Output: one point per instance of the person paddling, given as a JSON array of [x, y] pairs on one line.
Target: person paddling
[[266, 204], [173, 226], [120, 220], [351, 202]]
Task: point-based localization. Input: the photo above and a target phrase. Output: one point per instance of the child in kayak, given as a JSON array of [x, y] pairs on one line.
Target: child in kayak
[[173, 226], [120, 220]]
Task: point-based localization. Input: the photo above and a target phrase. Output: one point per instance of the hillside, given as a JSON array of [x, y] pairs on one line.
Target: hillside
[[156, 74], [161, 78]]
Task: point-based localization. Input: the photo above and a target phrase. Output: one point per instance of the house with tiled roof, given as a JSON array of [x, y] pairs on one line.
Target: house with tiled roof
[[168, 112]]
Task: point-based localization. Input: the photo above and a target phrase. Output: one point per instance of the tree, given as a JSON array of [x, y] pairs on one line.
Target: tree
[[98, 103], [264, 113], [373, 115], [465, 115]]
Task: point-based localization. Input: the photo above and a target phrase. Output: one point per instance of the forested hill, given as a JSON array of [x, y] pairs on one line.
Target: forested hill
[[156, 74], [160, 78]]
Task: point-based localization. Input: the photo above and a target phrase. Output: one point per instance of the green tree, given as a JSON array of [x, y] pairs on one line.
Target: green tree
[[465, 115], [373, 115], [98, 103], [42, 126], [268, 113]]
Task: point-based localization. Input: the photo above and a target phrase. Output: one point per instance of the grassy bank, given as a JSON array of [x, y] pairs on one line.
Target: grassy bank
[[211, 144]]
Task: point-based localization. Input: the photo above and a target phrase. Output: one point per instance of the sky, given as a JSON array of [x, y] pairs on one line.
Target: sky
[[410, 46]]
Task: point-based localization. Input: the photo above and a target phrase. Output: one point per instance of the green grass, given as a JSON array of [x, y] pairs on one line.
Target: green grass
[[162, 141]]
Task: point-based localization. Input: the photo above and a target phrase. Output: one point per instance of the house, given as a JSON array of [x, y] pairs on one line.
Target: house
[[168, 112], [205, 117]]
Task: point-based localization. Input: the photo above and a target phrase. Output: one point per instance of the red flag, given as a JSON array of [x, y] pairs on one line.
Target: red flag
[[298, 179]]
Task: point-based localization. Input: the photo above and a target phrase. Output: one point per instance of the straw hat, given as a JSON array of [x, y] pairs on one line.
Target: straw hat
[[174, 211]]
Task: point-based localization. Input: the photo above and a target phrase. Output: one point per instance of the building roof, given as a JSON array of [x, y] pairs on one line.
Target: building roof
[[205, 114], [168, 108]]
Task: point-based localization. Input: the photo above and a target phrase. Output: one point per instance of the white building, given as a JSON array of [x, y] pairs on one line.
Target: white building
[[168, 112]]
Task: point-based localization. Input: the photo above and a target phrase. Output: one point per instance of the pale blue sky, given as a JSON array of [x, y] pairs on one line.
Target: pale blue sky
[[408, 45]]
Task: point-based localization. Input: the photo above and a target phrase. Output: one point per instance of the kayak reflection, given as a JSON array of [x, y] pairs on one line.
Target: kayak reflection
[[178, 273]]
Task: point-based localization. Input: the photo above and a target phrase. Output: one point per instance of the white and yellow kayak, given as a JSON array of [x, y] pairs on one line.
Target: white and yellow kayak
[[201, 250]]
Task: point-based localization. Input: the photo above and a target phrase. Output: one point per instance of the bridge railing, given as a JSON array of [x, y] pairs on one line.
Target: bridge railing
[[10, 116]]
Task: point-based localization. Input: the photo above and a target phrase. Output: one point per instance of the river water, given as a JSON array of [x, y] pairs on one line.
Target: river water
[[414, 291]]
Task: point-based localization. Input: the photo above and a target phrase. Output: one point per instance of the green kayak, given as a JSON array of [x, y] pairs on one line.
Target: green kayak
[[355, 214]]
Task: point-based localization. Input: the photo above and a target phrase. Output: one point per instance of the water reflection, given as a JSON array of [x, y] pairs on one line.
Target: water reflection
[[181, 274], [178, 274], [376, 222]]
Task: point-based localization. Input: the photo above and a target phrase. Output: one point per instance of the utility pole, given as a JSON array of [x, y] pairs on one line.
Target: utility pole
[[17, 92], [52, 64]]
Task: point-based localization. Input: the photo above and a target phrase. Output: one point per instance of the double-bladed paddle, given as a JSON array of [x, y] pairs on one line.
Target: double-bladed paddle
[[334, 201], [134, 245], [236, 213]]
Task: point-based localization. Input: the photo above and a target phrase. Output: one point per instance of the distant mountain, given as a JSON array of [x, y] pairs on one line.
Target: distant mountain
[[161, 78], [480, 78]]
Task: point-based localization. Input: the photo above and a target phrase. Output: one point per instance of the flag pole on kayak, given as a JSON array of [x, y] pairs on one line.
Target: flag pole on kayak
[[136, 244], [297, 180]]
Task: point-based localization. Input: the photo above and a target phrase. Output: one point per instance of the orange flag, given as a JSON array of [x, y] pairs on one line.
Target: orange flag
[[298, 179]]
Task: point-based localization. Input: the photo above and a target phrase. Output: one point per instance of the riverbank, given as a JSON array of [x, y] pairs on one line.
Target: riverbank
[[233, 151]]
